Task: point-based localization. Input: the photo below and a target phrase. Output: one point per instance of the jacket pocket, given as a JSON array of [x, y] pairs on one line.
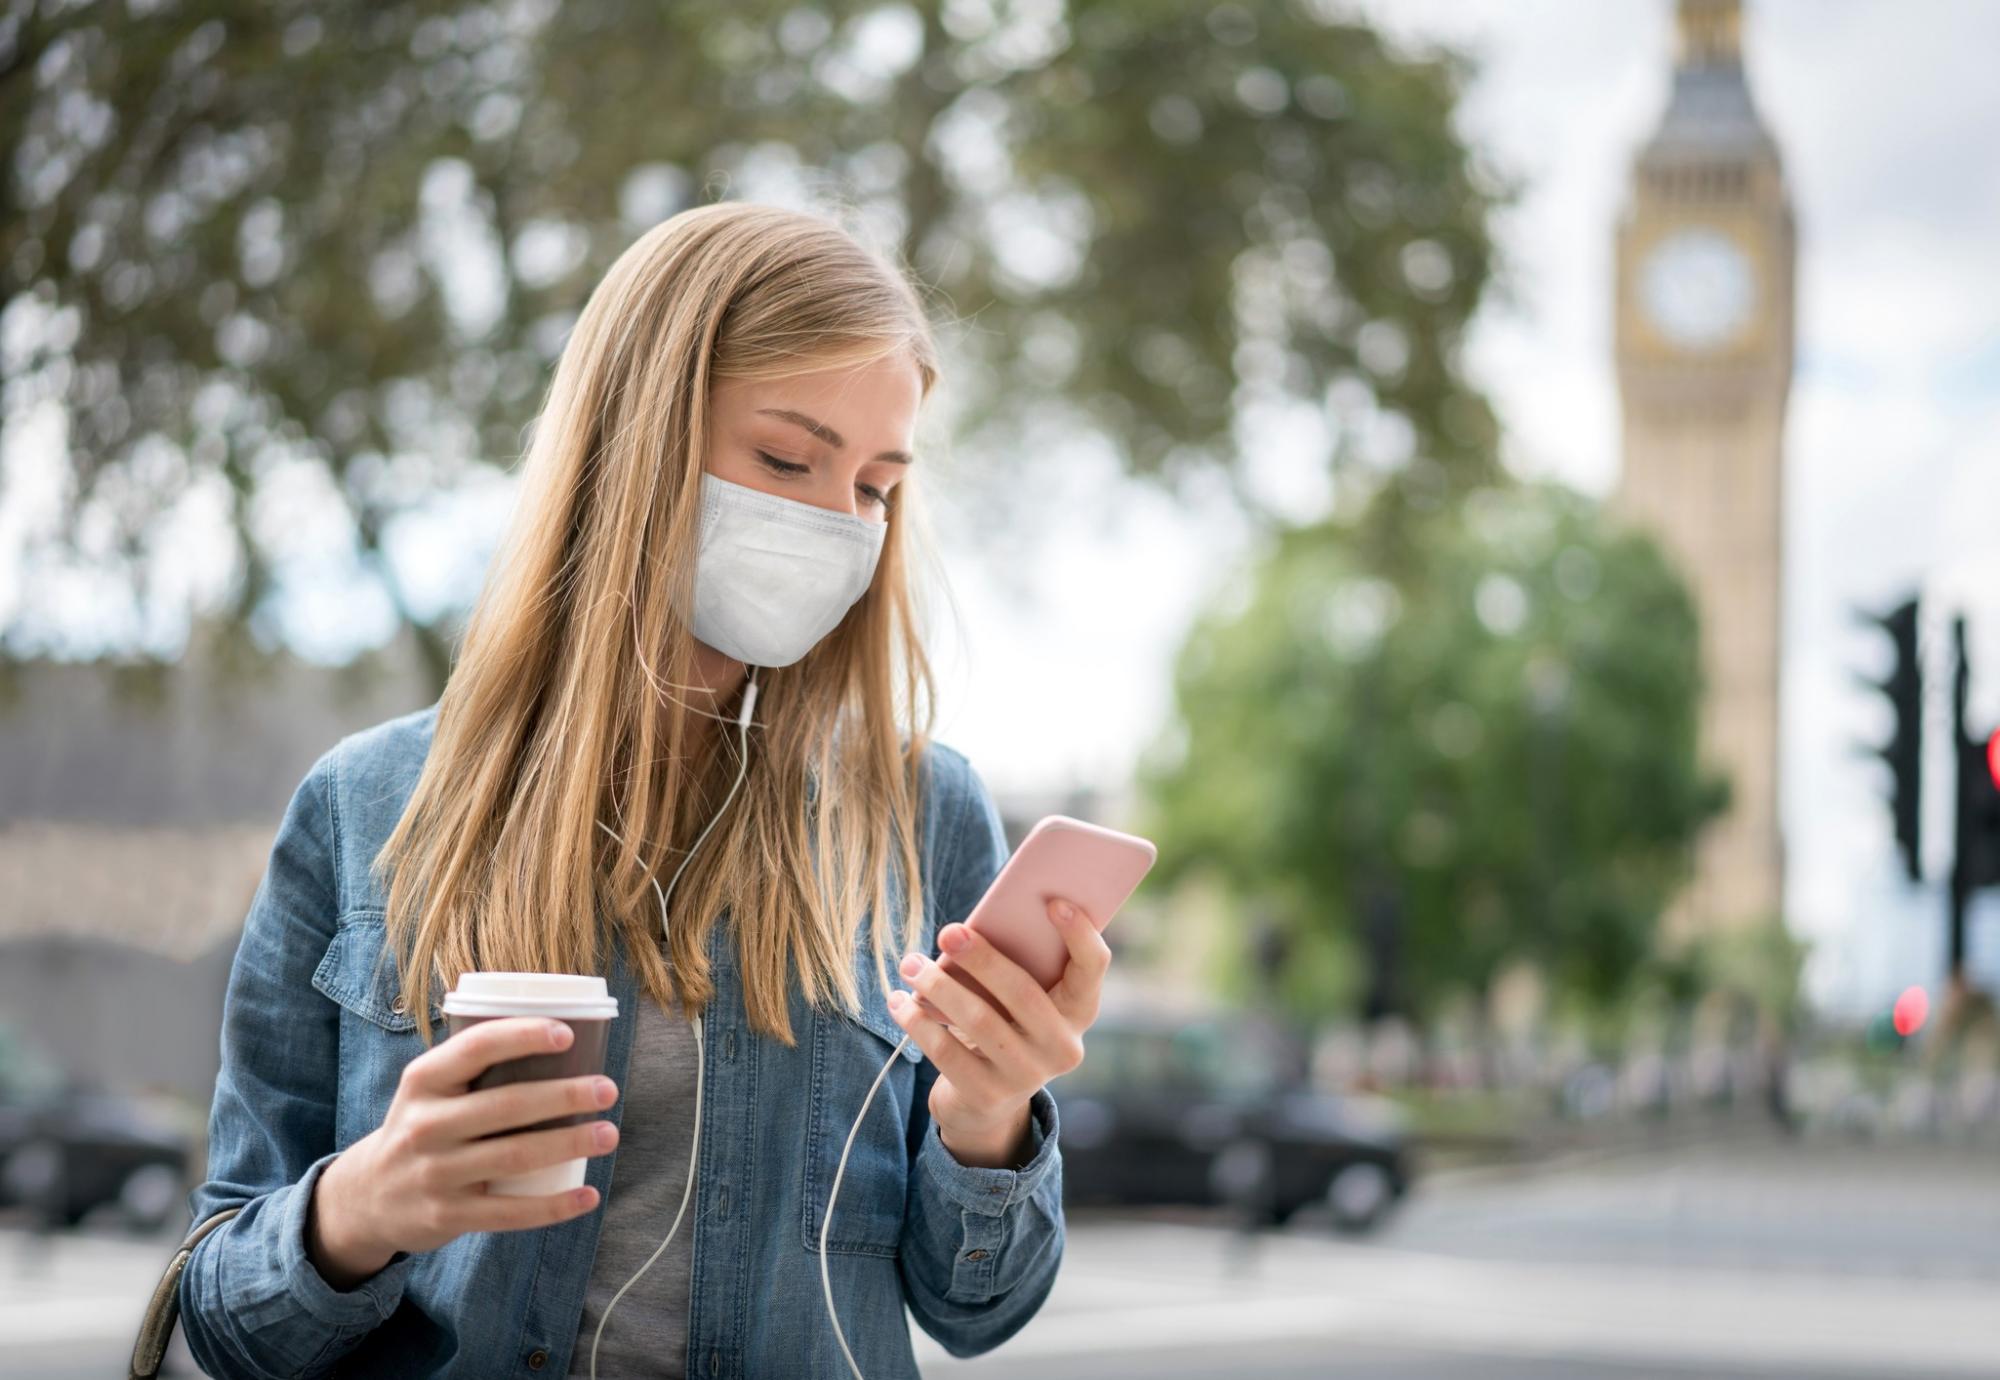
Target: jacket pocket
[[848, 1051], [378, 1033]]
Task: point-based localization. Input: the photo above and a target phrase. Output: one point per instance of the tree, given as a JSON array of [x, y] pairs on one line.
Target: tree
[[1504, 745], [240, 238]]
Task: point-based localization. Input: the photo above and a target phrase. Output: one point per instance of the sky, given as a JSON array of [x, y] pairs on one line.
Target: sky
[[1056, 669]]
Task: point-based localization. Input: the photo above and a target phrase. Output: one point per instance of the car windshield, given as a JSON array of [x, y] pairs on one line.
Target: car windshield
[[1213, 1059], [26, 1074]]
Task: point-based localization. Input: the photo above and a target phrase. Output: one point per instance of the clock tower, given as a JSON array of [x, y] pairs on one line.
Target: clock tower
[[1704, 348]]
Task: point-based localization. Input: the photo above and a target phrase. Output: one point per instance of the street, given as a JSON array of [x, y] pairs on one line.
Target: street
[[1758, 1260], [1719, 1260]]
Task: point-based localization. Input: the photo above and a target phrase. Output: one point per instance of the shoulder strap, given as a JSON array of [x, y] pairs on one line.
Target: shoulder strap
[[163, 1310]]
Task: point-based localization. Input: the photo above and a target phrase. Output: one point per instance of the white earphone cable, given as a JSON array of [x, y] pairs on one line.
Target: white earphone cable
[[694, 1147], [687, 1189], [833, 1194]]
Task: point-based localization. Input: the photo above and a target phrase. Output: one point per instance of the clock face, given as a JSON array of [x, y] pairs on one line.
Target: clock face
[[1698, 288]]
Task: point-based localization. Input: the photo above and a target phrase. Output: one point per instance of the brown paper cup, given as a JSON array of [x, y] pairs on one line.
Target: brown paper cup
[[582, 1003]]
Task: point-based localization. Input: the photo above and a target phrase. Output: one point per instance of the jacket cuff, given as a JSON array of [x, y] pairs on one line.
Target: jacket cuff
[[990, 1192], [368, 1303]]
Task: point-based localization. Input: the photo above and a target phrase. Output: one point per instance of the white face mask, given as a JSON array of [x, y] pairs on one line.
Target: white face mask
[[774, 575]]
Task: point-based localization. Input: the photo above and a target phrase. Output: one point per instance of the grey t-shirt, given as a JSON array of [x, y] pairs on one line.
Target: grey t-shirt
[[647, 1334]]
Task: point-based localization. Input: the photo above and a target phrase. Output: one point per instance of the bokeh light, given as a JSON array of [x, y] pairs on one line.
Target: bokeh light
[[1911, 1010]]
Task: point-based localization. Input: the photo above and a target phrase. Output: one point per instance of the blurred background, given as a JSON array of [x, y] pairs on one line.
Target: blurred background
[[1501, 492]]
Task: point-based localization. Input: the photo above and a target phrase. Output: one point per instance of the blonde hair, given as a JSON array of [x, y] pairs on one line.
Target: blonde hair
[[560, 710]]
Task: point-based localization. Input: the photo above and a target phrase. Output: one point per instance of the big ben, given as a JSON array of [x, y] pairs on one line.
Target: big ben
[[1704, 347]]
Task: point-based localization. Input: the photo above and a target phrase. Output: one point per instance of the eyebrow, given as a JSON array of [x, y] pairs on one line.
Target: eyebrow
[[829, 435]]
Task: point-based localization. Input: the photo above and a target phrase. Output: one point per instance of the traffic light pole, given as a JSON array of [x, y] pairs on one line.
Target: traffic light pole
[[1959, 893], [1975, 794], [1965, 810]]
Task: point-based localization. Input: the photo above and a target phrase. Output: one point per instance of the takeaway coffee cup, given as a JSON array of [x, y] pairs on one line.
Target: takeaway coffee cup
[[584, 1004]]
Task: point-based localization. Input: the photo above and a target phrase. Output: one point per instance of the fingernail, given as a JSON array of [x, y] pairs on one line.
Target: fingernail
[[559, 1034], [607, 1092], [954, 937], [606, 1135], [898, 999], [911, 965], [1065, 911]]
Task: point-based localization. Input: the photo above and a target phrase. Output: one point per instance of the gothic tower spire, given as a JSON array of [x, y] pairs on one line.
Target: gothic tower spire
[[1709, 33], [1710, 114], [1704, 352]]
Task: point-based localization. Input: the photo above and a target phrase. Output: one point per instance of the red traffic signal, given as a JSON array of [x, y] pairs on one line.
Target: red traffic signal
[[1910, 1011]]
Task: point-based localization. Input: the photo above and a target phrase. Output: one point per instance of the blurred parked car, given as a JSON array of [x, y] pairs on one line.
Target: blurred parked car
[[1203, 1111], [67, 1149]]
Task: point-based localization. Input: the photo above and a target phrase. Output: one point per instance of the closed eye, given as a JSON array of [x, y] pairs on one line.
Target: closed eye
[[788, 470]]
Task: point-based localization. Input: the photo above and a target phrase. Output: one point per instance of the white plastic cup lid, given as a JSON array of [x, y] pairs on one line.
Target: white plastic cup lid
[[531, 994]]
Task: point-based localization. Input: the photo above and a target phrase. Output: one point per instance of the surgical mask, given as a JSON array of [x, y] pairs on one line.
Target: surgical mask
[[773, 575]]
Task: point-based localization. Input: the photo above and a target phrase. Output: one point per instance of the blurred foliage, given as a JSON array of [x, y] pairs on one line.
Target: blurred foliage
[[1491, 761], [241, 238], [1750, 972], [1760, 964]]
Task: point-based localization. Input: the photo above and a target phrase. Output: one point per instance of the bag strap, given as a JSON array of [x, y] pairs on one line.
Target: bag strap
[[163, 1310]]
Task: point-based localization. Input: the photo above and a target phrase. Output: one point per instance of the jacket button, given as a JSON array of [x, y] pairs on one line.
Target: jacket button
[[975, 1255], [537, 1359], [401, 1006]]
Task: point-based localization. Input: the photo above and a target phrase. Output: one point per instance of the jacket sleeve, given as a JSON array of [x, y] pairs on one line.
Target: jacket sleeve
[[980, 1246], [252, 1303]]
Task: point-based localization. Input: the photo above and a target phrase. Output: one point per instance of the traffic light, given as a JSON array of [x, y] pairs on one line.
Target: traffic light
[[1976, 832], [1979, 811], [1904, 750]]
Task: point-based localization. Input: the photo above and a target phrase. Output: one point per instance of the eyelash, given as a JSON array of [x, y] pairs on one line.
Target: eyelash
[[785, 467]]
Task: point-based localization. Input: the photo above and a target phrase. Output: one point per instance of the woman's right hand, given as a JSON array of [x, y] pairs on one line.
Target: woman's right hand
[[419, 1179]]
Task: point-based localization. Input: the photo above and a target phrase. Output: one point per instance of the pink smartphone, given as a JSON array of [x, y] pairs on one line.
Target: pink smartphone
[[1093, 868]]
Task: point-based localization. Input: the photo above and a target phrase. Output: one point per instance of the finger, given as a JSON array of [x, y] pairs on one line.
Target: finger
[[977, 1017], [938, 1015], [943, 1017], [450, 1066], [471, 1115], [1014, 987], [957, 1034], [1075, 993], [505, 1156], [970, 1073], [504, 1212], [1017, 989]]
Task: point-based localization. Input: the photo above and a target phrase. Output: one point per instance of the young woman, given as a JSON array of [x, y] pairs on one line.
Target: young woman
[[695, 662]]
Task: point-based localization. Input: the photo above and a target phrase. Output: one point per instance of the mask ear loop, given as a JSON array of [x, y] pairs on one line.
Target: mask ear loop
[[694, 1146]]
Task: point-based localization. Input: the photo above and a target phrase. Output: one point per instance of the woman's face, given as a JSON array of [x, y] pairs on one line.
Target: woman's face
[[837, 438]]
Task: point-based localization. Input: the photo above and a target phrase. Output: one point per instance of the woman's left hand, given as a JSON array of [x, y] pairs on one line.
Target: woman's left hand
[[992, 1059]]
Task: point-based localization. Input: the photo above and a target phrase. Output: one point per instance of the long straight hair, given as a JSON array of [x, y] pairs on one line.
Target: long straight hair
[[561, 711]]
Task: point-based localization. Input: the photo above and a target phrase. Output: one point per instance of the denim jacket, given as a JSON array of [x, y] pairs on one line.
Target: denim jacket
[[314, 1038]]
